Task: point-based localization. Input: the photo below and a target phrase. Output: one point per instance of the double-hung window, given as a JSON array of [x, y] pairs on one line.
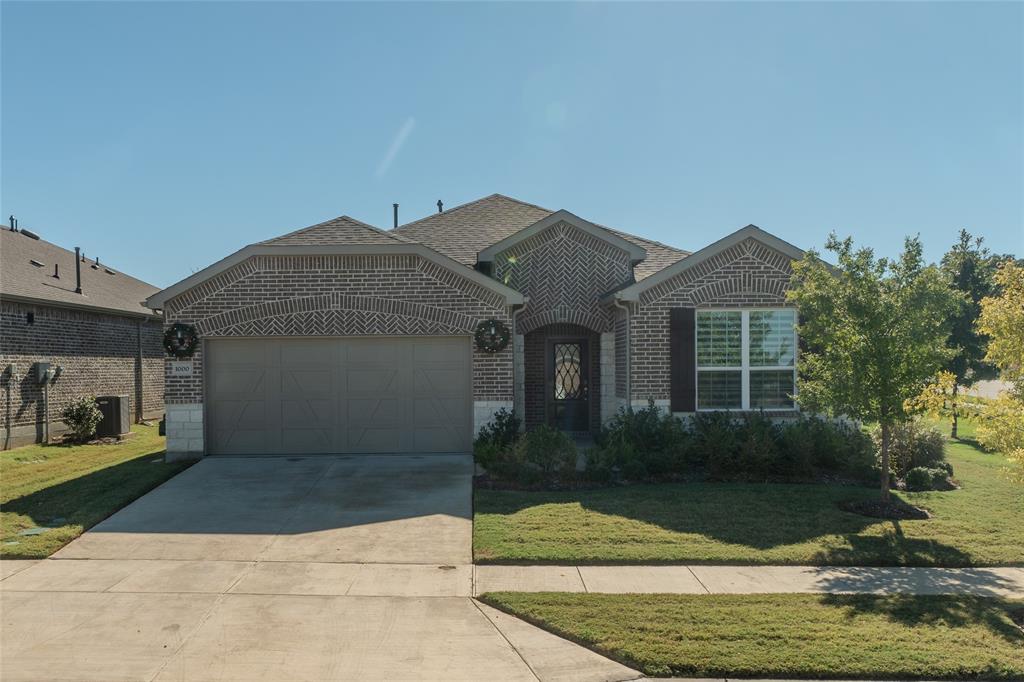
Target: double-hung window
[[746, 359]]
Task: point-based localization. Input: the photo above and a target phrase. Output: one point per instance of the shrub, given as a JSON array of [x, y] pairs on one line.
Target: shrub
[[714, 443], [496, 438], [758, 453], [549, 451], [913, 445], [543, 455], [926, 478], [650, 436], [813, 444], [82, 417]]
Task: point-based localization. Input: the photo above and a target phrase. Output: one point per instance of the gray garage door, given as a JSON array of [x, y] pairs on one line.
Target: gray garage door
[[365, 395]]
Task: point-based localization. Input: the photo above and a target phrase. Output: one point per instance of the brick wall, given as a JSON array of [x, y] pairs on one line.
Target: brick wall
[[564, 272], [99, 354], [746, 275], [341, 296]]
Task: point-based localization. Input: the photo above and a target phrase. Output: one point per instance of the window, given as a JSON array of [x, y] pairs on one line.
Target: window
[[746, 359]]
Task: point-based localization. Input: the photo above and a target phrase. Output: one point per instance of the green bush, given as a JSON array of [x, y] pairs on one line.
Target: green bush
[[912, 445], [82, 417], [650, 437], [715, 443], [549, 451], [811, 444], [926, 478], [543, 455], [496, 438]]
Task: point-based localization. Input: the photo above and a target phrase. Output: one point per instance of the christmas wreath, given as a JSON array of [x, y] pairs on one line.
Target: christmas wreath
[[180, 340], [492, 336]]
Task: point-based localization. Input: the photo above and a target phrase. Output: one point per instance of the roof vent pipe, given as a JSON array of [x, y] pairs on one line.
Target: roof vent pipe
[[78, 270], [440, 206], [396, 213], [11, 219], [56, 271]]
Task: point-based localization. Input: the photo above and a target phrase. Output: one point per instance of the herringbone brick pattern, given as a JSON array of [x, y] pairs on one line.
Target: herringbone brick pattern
[[341, 296], [564, 271], [747, 275]]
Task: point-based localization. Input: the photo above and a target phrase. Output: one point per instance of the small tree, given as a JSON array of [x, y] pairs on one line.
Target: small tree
[[1002, 319], [874, 331], [82, 417], [970, 269]]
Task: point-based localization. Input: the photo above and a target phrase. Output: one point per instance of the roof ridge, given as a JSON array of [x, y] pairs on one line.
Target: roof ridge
[[646, 239], [453, 209], [345, 217]]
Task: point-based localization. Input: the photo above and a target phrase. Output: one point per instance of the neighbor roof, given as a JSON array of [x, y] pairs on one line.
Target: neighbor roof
[[340, 230], [103, 287], [462, 232]]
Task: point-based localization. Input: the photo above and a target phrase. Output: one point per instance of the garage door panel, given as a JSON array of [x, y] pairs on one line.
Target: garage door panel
[[340, 395], [440, 381], [372, 381]]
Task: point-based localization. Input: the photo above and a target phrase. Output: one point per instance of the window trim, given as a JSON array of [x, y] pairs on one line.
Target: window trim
[[744, 367]]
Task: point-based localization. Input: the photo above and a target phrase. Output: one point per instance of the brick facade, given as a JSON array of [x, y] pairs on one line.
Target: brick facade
[[99, 353], [564, 271], [746, 275], [341, 296]]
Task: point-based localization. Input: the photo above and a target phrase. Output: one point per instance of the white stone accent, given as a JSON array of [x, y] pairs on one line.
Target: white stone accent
[[609, 403], [519, 375], [661, 404], [483, 412], [184, 432]]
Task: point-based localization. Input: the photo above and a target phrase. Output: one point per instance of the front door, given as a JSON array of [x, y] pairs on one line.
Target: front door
[[568, 399]]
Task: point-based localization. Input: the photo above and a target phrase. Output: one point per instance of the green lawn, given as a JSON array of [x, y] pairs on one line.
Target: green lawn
[[980, 525], [67, 490], [789, 635]]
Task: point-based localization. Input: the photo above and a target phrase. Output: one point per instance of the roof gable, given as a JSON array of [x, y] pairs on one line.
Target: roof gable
[[636, 253], [632, 292], [340, 230], [464, 231]]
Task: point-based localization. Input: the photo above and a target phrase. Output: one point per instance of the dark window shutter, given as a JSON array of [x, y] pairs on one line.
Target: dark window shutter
[[682, 359]]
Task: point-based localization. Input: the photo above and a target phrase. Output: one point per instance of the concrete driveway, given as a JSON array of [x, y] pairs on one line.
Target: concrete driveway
[[265, 568]]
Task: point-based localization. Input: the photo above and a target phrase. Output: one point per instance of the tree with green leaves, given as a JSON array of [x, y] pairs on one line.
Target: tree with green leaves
[[874, 332], [971, 269]]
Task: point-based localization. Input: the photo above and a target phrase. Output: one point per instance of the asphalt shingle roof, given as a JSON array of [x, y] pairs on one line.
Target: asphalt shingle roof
[[102, 286], [340, 230], [462, 232]]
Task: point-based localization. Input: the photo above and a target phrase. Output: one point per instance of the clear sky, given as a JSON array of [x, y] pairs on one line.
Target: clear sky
[[162, 137]]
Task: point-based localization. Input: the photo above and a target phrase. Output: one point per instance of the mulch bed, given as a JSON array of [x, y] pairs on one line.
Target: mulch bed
[[894, 509]]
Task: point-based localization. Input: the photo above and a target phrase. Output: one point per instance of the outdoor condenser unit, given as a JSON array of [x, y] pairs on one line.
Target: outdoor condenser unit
[[116, 417]]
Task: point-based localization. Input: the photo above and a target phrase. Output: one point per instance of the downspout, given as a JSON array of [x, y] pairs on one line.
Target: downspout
[[515, 316], [617, 302], [139, 373]]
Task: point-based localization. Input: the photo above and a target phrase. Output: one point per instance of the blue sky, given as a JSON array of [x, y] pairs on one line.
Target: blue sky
[[161, 137]]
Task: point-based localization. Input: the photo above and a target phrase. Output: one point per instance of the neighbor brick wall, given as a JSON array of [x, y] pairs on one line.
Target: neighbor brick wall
[[564, 272], [341, 295], [746, 275], [98, 352]]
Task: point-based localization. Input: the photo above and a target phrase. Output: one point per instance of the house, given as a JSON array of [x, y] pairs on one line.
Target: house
[[84, 318], [345, 338]]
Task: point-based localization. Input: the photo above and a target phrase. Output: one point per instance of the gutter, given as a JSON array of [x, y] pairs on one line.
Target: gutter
[[50, 303]]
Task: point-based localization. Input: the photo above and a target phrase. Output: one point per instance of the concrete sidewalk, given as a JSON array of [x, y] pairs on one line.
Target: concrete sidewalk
[[989, 582]]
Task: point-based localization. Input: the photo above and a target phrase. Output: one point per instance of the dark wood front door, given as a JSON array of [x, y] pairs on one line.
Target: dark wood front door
[[568, 370]]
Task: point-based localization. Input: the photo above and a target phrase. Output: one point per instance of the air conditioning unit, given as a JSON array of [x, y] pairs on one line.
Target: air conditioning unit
[[116, 415]]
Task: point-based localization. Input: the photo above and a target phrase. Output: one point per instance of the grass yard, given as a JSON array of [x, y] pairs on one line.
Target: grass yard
[[67, 490], [788, 635], [980, 525]]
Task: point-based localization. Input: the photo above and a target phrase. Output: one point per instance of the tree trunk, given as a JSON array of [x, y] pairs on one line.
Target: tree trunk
[[885, 461], [956, 416]]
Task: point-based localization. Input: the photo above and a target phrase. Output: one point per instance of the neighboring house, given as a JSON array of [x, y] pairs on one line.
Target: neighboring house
[[96, 329], [345, 338]]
